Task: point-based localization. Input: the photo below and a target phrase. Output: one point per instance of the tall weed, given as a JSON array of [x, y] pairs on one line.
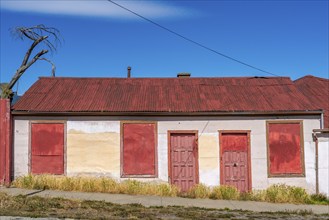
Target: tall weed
[[198, 191], [278, 193], [94, 184], [225, 192]]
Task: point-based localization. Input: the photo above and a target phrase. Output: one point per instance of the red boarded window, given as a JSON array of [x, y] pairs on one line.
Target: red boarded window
[[285, 149], [47, 148], [139, 149]]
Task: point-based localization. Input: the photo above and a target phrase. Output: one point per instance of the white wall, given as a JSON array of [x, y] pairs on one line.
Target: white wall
[[92, 129], [21, 147], [323, 145]]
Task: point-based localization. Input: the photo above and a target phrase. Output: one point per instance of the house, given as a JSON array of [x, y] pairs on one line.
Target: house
[[250, 132], [317, 91]]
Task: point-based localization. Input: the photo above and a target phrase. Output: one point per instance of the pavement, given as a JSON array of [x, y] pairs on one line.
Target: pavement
[[169, 201]]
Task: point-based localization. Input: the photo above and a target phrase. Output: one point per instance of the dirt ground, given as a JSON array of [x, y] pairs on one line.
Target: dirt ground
[[63, 208]]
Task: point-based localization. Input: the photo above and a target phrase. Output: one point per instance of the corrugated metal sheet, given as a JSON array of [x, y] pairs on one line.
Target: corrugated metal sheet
[[317, 91], [163, 95]]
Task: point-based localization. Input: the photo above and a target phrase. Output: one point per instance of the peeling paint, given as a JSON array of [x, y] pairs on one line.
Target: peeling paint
[[209, 159], [96, 152], [208, 146], [207, 163]]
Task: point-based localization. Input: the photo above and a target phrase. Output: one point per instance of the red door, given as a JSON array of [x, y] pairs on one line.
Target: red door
[[234, 160], [47, 148], [183, 165]]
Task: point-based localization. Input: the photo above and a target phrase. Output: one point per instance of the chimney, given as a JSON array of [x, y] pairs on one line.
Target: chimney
[[128, 71], [183, 75]]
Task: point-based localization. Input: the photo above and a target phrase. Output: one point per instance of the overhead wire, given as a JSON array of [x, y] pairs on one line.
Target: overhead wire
[[190, 40]]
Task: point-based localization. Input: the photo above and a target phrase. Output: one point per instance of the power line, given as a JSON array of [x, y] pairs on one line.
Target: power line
[[192, 41]]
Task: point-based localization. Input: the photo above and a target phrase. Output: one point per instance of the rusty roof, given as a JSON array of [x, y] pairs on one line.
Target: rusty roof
[[317, 91], [181, 95]]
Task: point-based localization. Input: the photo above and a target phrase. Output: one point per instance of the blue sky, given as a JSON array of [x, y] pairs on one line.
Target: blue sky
[[287, 38]]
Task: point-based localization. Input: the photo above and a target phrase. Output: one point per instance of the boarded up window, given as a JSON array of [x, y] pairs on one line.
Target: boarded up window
[[47, 148], [285, 149], [139, 149]]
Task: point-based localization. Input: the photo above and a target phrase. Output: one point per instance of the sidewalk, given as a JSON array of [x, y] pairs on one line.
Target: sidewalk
[[169, 201]]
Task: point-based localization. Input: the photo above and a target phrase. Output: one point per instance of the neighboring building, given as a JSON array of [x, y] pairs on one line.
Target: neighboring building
[[247, 132], [317, 91]]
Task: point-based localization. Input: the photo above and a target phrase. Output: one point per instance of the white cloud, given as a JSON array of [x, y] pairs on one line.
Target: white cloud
[[97, 8]]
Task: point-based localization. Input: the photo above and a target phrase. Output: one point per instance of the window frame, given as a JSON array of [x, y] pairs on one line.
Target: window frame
[[301, 134], [155, 175]]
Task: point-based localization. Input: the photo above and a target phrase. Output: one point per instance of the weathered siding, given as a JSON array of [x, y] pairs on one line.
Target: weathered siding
[[324, 163], [21, 147], [5, 141], [209, 158], [93, 146]]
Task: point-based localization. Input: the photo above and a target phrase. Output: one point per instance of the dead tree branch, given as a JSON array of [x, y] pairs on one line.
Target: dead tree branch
[[39, 34], [53, 67]]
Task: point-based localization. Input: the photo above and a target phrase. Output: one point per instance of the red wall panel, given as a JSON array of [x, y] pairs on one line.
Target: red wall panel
[[234, 142], [139, 149], [5, 141], [47, 164], [47, 146], [285, 148]]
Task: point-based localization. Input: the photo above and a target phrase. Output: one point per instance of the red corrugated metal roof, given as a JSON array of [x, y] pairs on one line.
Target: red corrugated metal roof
[[317, 91], [240, 94]]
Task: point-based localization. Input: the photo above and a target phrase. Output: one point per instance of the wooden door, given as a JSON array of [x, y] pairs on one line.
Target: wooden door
[[47, 148], [183, 160], [235, 161]]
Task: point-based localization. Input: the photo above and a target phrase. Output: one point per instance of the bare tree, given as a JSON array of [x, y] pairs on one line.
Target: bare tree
[[40, 34]]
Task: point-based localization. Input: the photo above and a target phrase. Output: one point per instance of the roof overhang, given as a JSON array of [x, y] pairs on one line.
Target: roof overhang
[[251, 113], [323, 130]]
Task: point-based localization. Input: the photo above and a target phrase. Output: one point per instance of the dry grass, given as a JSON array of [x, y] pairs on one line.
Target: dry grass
[[94, 184], [200, 191], [225, 192], [286, 194], [279, 193]]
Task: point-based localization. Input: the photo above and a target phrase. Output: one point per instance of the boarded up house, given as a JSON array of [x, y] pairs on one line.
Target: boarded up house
[[246, 132]]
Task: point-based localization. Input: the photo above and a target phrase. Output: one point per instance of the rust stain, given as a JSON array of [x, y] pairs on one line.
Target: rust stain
[[163, 95]]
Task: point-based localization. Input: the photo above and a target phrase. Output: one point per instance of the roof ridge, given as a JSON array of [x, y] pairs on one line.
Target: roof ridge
[[311, 76], [187, 78]]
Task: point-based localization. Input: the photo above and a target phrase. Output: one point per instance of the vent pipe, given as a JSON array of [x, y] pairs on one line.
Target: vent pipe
[[128, 71], [183, 75]]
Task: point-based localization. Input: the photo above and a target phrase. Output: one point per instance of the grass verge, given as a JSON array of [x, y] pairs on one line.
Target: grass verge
[[63, 208], [279, 193]]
